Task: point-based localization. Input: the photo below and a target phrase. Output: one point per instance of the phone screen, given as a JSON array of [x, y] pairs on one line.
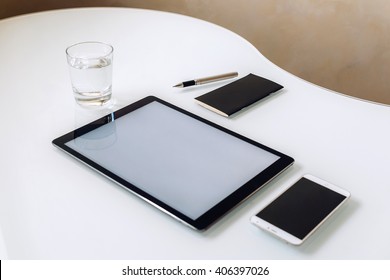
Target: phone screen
[[301, 208]]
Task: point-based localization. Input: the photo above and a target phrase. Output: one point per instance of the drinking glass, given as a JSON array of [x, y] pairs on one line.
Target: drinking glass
[[90, 65]]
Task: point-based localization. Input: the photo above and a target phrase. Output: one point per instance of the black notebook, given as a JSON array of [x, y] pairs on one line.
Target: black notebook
[[237, 95]]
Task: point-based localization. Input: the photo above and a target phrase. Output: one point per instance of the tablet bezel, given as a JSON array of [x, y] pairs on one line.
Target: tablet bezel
[[214, 213]]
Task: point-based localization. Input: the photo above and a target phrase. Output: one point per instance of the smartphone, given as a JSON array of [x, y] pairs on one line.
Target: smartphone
[[296, 213]]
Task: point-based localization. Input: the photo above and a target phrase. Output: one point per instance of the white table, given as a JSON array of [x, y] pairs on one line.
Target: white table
[[52, 207]]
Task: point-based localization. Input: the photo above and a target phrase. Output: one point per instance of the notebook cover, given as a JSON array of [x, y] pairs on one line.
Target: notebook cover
[[237, 95]]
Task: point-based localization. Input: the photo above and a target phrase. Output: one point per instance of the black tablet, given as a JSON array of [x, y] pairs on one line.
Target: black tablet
[[191, 168]]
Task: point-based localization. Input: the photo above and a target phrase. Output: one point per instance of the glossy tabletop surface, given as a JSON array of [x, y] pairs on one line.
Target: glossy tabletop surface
[[52, 207]]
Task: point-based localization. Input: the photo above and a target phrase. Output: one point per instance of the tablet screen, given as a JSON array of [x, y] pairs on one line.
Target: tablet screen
[[180, 161]]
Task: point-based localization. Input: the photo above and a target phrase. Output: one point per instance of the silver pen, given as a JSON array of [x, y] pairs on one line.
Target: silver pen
[[207, 80]]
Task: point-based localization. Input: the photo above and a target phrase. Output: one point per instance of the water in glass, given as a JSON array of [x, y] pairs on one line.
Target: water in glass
[[91, 80]]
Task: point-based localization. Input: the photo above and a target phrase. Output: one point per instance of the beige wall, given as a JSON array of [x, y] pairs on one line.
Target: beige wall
[[340, 44]]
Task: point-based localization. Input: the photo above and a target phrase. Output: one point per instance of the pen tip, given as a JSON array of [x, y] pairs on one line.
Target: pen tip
[[178, 85]]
